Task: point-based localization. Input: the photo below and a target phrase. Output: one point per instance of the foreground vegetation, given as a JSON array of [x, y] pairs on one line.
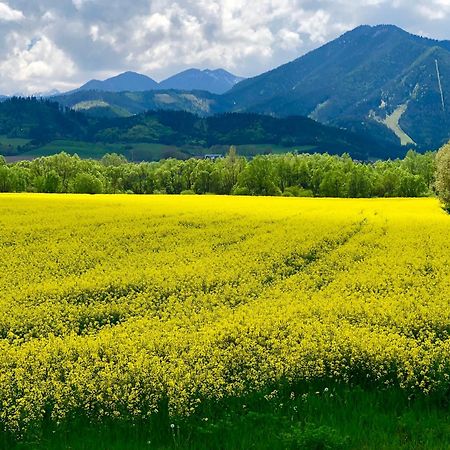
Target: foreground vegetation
[[174, 313], [293, 175], [304, 416]]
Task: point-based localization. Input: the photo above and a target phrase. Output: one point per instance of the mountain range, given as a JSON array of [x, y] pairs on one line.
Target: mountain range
[[379, 80], [215, 81], [127, 81]]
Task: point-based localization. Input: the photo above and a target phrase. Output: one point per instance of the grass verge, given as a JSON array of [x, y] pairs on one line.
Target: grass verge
[[314, 416]]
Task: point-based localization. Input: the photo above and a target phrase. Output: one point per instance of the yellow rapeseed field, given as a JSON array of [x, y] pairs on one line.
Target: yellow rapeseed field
[[111, 304]]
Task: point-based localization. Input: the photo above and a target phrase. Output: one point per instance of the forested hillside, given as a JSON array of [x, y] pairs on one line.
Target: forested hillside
[[99, 103], [378, 80], [43, 122], [40, 120]]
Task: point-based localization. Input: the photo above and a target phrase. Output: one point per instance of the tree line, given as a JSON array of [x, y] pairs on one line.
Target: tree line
[[303, 175]]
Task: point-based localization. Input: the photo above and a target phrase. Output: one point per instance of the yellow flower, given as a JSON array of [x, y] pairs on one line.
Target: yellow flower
[[110, 304]]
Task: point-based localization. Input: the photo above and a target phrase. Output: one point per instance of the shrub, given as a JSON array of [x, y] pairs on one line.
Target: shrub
[[443, 174], [86, 183], [238, 190], [315, 438], [298, 191]]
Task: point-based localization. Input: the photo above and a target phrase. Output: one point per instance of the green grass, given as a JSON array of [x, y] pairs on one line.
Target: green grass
[[9, 146], [320, 416], [15, 142]]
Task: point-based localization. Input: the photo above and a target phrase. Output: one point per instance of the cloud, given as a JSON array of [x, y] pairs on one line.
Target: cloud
[[62, 43], [32, 63], [8, 14], [434, 10]]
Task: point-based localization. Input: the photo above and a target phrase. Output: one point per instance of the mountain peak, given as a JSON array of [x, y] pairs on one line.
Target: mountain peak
[[216, 81], [378, 79], [129, 74], [372, 31], [126, 81], [373, 28]]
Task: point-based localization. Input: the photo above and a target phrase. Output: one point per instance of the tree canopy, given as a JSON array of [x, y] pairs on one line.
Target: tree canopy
[[320, 175]]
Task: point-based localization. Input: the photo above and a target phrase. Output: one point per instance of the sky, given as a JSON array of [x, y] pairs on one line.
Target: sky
[[60, 44]]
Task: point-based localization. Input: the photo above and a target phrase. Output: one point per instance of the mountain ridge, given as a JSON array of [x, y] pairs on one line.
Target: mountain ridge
[[216, 81], [125, 104]]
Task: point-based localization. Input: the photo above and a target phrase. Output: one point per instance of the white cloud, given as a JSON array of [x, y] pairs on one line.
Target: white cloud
[[8, 14], [83, 39], [157, 22], [34, 63], [79, 3], [434, 10], [289, 39]]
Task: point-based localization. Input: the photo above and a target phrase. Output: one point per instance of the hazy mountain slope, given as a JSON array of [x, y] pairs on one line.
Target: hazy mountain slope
[[46, 94], [123, 104], [357, 81], [127, 81], [215, 81]]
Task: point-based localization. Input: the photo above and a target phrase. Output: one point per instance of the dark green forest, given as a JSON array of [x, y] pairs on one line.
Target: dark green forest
[[299, 175], [41, 121]]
